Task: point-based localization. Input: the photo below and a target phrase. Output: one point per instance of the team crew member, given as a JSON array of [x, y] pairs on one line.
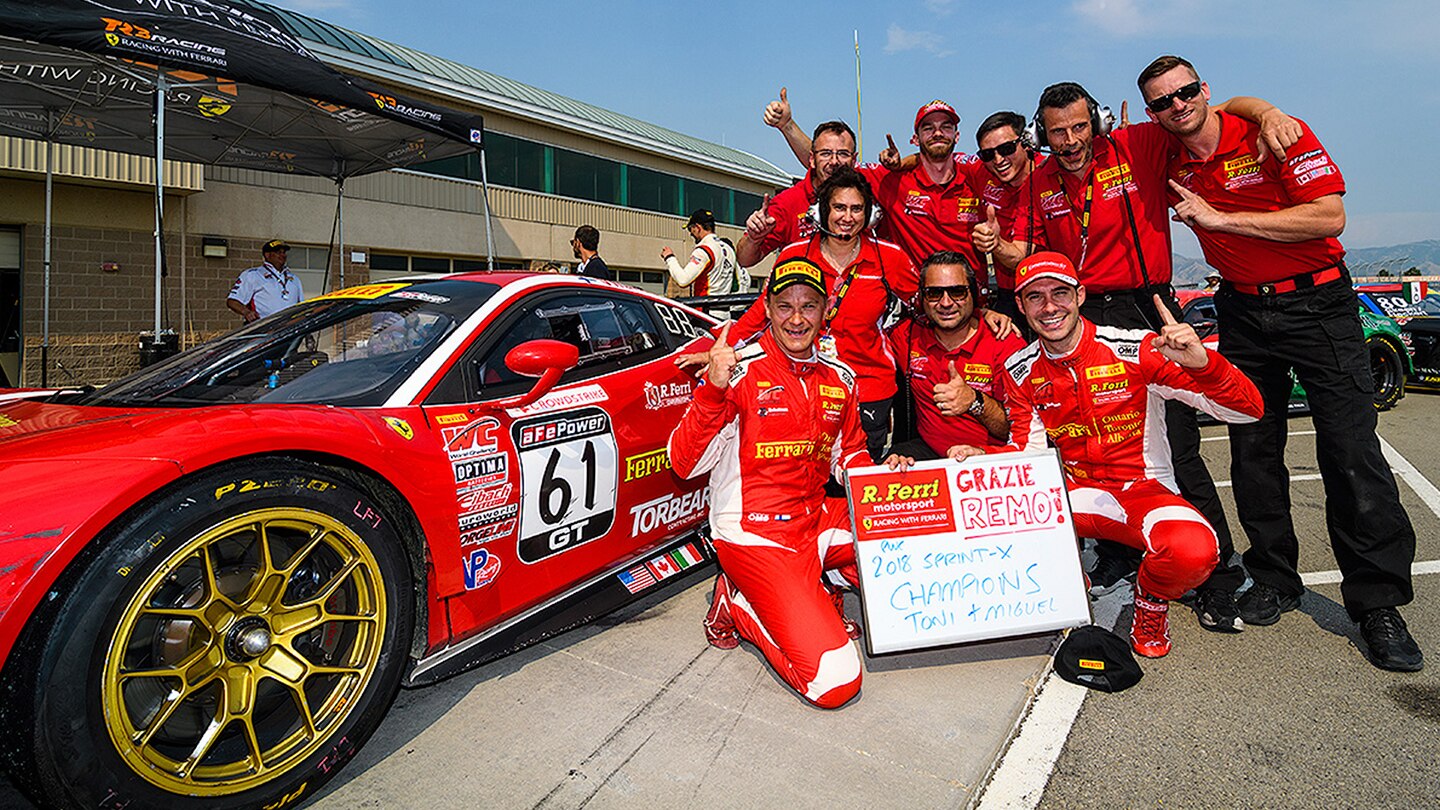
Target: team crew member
[[1008, 159], [586, 245], [954, 362], [1285, 302], [264, 290], [783, 219], [930, 206], [1101, 201], [1097, 392], [712, 268], [771, 423], [854, 267]]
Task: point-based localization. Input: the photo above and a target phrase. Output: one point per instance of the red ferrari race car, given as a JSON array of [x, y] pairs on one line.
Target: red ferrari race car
[[215, 574]]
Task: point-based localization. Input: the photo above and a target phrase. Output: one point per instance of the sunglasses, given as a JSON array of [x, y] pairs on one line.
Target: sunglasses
[[1160, 104], [1003, 150], [957, 292]]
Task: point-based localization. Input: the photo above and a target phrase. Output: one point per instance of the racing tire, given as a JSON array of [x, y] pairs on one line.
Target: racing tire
[[1388, 371], [230, 643]]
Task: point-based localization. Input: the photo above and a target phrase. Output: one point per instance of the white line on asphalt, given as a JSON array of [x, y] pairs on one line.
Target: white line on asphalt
[[1407, 472], [1019, 782], [1293, 478], [1332, 577], [1226, 438]]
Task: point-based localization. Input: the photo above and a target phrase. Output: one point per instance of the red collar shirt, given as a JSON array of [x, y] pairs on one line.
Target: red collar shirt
[[924, 217], [1004, 198], [980, 361], [1232, 180], [1129, 164], [789, 209], [855, 329]]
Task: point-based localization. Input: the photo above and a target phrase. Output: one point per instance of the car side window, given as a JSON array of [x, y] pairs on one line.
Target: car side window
[[610, 332]]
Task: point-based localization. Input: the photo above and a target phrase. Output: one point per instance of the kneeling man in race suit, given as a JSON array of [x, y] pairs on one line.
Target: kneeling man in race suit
[[771, 422], [1098, 392]]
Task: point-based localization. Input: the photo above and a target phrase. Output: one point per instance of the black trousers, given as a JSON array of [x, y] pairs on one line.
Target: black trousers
[[875, 421], [1135, 309], [1003, 301], [1316, 332]]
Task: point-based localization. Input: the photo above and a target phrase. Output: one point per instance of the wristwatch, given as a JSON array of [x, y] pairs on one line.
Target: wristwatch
[[978, 406]]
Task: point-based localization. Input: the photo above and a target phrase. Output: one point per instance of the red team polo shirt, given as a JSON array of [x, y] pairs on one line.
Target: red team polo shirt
[[924, 217], [856, 326], [1003, 197], [789, 208], [1052, 201], [1231, 180], [980, 361]]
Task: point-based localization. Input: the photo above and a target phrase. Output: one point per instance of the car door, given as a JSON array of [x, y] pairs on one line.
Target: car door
[[577, 484]]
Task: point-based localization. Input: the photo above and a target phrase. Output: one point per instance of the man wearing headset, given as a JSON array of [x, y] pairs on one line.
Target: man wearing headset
[[1101, 201], [1285, 302], [858, 274]]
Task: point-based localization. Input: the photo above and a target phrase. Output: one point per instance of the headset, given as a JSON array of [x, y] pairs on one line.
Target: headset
[[813, 214], [1102, 120]]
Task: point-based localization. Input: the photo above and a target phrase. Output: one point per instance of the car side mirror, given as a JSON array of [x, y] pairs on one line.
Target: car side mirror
[[546, 359]]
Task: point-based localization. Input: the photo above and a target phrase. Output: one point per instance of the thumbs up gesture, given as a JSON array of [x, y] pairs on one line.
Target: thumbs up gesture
[[1178, 341], [955, 396], [777, 113], [1191, 209], [986, 235]]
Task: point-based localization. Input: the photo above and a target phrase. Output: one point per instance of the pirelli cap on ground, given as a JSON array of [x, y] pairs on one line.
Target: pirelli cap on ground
[[1045, 264], [797, 271], [1095, 657]]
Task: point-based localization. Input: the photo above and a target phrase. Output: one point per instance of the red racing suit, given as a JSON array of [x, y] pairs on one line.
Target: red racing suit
[[1103, 407], [770, 441]]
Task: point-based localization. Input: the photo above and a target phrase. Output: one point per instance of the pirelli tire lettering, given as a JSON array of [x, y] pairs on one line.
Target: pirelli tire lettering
[[569, 473]]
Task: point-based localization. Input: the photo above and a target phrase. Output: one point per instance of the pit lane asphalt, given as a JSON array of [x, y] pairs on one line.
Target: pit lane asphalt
[[638, 709]]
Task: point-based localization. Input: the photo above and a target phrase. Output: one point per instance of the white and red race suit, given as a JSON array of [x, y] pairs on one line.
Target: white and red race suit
[[1103, 407], [712, 268], [770, 441]]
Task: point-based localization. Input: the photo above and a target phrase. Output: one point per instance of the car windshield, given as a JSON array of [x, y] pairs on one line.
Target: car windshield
[[353, 347], [1430, 304]]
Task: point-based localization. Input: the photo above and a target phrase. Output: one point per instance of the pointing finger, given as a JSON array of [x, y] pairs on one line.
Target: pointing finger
[[1185, 193], [890, 140], [724, 334], [1165, 316]]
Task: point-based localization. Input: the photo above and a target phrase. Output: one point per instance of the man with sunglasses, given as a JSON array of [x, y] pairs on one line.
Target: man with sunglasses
[[1101, 201], [1286, 302], [264, 290], [951, 358], [1008, 158], [1095, 392]]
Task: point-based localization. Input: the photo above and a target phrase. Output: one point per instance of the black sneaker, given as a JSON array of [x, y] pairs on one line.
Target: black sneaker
[[1391, 645], [1110, 573], [1217, 611], [1263, 604]]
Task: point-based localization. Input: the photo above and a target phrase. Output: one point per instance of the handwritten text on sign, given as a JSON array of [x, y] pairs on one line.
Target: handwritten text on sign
[[961, 551]]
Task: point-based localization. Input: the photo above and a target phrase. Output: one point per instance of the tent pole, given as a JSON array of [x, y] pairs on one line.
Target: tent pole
[[485, 201], [160, 92], [45, 318], [340, 228]]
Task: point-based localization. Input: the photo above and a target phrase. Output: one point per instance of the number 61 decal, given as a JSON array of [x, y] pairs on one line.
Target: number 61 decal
[[568, 474]]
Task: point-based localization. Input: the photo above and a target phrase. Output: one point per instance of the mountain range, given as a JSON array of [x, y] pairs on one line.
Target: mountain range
[[1396, 259]]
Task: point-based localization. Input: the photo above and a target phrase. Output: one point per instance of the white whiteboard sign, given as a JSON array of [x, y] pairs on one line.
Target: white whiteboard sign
[[952, 551]]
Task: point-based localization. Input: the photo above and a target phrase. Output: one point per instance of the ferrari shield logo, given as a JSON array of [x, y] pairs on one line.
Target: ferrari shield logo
[[401, 427]]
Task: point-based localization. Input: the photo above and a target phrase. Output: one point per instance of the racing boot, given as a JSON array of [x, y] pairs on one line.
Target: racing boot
[[837, 596], [719, 626], [1150, 629]]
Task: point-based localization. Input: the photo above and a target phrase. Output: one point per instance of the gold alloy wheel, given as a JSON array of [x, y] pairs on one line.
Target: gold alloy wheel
[[244, 651]]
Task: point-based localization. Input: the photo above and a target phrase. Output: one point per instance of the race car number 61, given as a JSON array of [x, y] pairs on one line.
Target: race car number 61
[[568, 477]]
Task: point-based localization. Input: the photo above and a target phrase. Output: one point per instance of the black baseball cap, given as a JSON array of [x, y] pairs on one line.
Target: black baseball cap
[[274, 245], [799, 270], [702, 216], [1097, 658]]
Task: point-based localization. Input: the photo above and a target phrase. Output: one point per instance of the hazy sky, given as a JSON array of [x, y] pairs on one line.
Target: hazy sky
[[1365, 76]]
